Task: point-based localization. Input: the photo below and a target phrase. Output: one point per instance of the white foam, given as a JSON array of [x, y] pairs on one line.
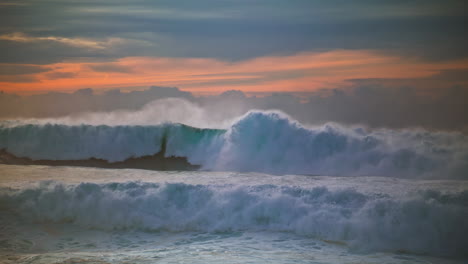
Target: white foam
[[268, 142], [426, 222]]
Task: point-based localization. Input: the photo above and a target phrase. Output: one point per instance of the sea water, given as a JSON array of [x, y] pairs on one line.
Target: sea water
[[257, 197], [268, 142], [87, 215]]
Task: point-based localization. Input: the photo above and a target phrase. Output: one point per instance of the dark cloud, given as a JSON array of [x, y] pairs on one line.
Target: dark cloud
[[56, 104], [18, 78], [17, 73], [59, 75], [438, 82], [396, 107], [234, 30], [14, 69], [373, 106], [44, 52], [108, 67]]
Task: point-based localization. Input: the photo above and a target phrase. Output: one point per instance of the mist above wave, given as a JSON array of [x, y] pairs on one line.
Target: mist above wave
[[167, 110]]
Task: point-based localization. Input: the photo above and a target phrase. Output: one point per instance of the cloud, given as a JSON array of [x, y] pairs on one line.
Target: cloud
[[18, 79], [14, 73], [57, 104], [110, 67], [59, 75], [397, 107], [18, 69], [372, 106], [75, 42], [303, 72], [230, 30]]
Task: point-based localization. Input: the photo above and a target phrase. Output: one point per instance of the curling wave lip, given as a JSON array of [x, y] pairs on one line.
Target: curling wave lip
[[260, 141]]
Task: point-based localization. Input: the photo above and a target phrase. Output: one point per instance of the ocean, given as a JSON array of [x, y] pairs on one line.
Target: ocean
[[266, 189], [75, 215]]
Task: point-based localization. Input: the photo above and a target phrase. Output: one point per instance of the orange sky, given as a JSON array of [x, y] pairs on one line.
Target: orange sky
[[301, 72]]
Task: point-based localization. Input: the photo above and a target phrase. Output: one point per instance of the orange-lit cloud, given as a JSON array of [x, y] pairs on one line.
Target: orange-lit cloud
[[300, 72], [74, 42]]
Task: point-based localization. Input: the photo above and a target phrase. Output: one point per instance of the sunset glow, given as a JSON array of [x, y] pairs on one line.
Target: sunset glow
[[233, 131], [301, 72]]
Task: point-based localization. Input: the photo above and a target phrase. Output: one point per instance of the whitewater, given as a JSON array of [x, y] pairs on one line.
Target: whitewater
[[269, 190], [269, 142], [66, 214]]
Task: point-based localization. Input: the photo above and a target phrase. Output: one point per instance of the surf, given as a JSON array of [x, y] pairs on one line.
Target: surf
[[424, 222], [259, 141]]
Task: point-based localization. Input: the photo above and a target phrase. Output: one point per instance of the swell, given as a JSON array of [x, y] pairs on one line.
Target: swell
[[259, 141], [427, 222]]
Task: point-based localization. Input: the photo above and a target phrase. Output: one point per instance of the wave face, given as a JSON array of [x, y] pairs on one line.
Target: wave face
[[259, 141], [111, 143], [426, 222]]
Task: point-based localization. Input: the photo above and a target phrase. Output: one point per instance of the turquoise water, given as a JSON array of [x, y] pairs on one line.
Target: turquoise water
[[268, 142]]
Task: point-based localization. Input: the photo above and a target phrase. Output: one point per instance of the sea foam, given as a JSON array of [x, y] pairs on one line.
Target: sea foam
[[268, 142], [425, 222]]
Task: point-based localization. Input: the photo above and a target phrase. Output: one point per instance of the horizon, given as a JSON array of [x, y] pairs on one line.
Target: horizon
[[233, 131]]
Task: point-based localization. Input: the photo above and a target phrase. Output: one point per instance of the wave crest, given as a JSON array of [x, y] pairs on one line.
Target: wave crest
[[259, 141], [427, 222]]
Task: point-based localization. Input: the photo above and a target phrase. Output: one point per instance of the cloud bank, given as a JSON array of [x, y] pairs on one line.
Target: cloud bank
[[305, 72], [372, 106], [230, 30]]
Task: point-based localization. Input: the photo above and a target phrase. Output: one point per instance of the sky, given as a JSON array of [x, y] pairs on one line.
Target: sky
[[212, 46]]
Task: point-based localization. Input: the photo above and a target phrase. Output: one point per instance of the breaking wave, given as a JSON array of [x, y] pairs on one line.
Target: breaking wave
[[259, 141], [427, 222]]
